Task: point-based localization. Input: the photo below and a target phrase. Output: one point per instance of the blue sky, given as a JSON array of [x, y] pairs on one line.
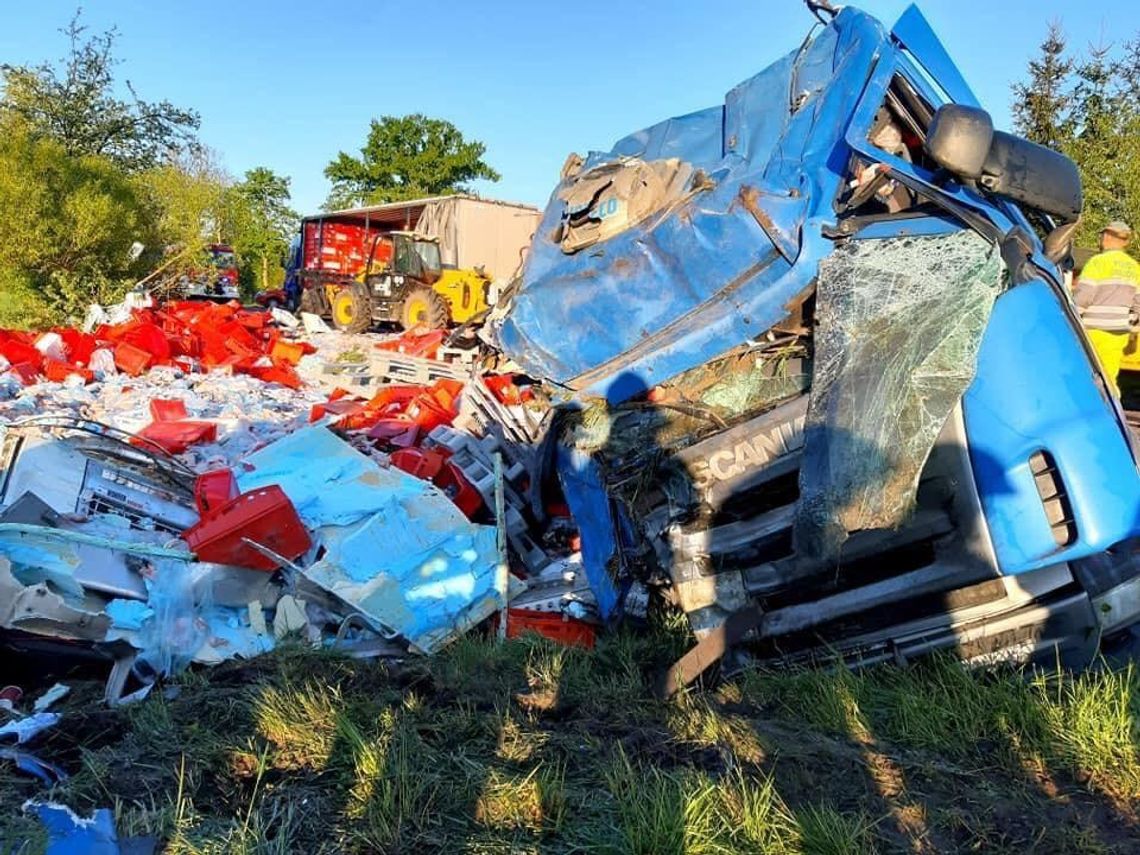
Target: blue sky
[[287, 84]]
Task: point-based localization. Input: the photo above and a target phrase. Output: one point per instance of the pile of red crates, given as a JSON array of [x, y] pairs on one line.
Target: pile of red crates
[[341, 248], [398, 418], [185, 334]]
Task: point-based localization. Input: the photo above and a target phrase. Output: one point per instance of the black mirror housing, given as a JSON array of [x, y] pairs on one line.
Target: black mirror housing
[[959, 139], [1034, 176]]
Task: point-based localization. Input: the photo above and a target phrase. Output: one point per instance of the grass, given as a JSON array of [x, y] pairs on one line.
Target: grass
[[1086, 727], [529, 747]]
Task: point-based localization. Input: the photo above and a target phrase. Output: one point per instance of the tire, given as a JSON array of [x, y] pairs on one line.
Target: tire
[[423, 307], [309, 303], [351, 310]]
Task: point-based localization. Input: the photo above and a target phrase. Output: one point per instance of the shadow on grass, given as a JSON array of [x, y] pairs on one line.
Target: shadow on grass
[[1000, 760], [531, 747]]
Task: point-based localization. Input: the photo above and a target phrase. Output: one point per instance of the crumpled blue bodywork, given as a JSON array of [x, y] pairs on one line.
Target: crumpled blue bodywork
[[727, 263], [673, 293]]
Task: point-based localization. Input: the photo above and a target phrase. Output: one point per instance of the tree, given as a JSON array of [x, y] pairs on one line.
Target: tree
[[187, 200], [406, 158], [1042, 104], [75, 104], [1089, 108], [69, 226], [261, 222]]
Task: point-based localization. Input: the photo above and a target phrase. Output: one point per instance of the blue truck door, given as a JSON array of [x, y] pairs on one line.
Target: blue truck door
[[1037, 399], [1053, 463]]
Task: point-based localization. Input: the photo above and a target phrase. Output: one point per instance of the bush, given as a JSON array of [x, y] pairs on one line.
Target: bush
[[69, 227]]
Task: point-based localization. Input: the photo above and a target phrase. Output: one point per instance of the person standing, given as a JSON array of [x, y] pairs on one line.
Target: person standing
[[1108, 298]]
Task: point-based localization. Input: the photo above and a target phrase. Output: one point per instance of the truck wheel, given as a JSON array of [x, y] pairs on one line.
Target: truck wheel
[[351, 310], [423, 307]]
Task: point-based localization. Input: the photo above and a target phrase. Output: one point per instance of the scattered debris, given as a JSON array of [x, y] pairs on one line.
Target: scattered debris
[[69, 834], [788, 414], [55, 693], [198, 508]]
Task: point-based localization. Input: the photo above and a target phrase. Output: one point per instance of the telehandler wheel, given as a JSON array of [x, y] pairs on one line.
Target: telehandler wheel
[[424, 308], [351, 310], [309, 302]]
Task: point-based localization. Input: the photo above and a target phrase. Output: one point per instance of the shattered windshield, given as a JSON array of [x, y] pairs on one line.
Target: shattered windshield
[[899, 324]]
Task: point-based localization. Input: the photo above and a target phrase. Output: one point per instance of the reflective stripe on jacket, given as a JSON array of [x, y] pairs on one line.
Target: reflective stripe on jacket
[[1108, 291]]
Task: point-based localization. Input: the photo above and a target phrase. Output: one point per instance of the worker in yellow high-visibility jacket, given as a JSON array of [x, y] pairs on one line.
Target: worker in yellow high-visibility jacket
[[1108, 298]]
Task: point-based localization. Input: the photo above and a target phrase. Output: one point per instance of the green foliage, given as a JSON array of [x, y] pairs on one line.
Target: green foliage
[[69, 227], [260, 226], [95, 186], [187, 198], [74, 103], [1089, 108], [1042, 103], [407, 157]]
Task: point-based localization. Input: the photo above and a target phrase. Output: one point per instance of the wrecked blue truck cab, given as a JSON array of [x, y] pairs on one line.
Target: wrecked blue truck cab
[[824, 386]]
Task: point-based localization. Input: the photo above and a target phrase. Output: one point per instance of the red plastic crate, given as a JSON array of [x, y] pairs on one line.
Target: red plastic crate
[[213, 490], [132, 360], [26, 371], [426, 465], [17, 353], [265, 516], [454, 483], [558, 627], [57, 371], [339, 407], [415, 344], [287, 352], [167, 409], [397, 433], [176, 437]]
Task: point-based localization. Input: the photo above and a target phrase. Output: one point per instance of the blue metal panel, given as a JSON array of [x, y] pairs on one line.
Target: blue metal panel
[[682, 289], [696, 137], [913, 31], [1035, 390], [592, 511]]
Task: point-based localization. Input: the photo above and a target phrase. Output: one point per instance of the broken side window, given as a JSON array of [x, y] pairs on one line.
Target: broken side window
[[899, 129]]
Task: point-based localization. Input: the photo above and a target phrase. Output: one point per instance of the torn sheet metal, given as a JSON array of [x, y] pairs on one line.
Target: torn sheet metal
[[27, 728], [716, 270], [899, 326], [418, 568], [69, 834], [68, 559], [328, 481], [617, 195], [27, 762], [36, 608], [70, 477]]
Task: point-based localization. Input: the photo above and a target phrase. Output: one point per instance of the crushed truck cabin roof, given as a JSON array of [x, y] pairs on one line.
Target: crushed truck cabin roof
[[698, 233]]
